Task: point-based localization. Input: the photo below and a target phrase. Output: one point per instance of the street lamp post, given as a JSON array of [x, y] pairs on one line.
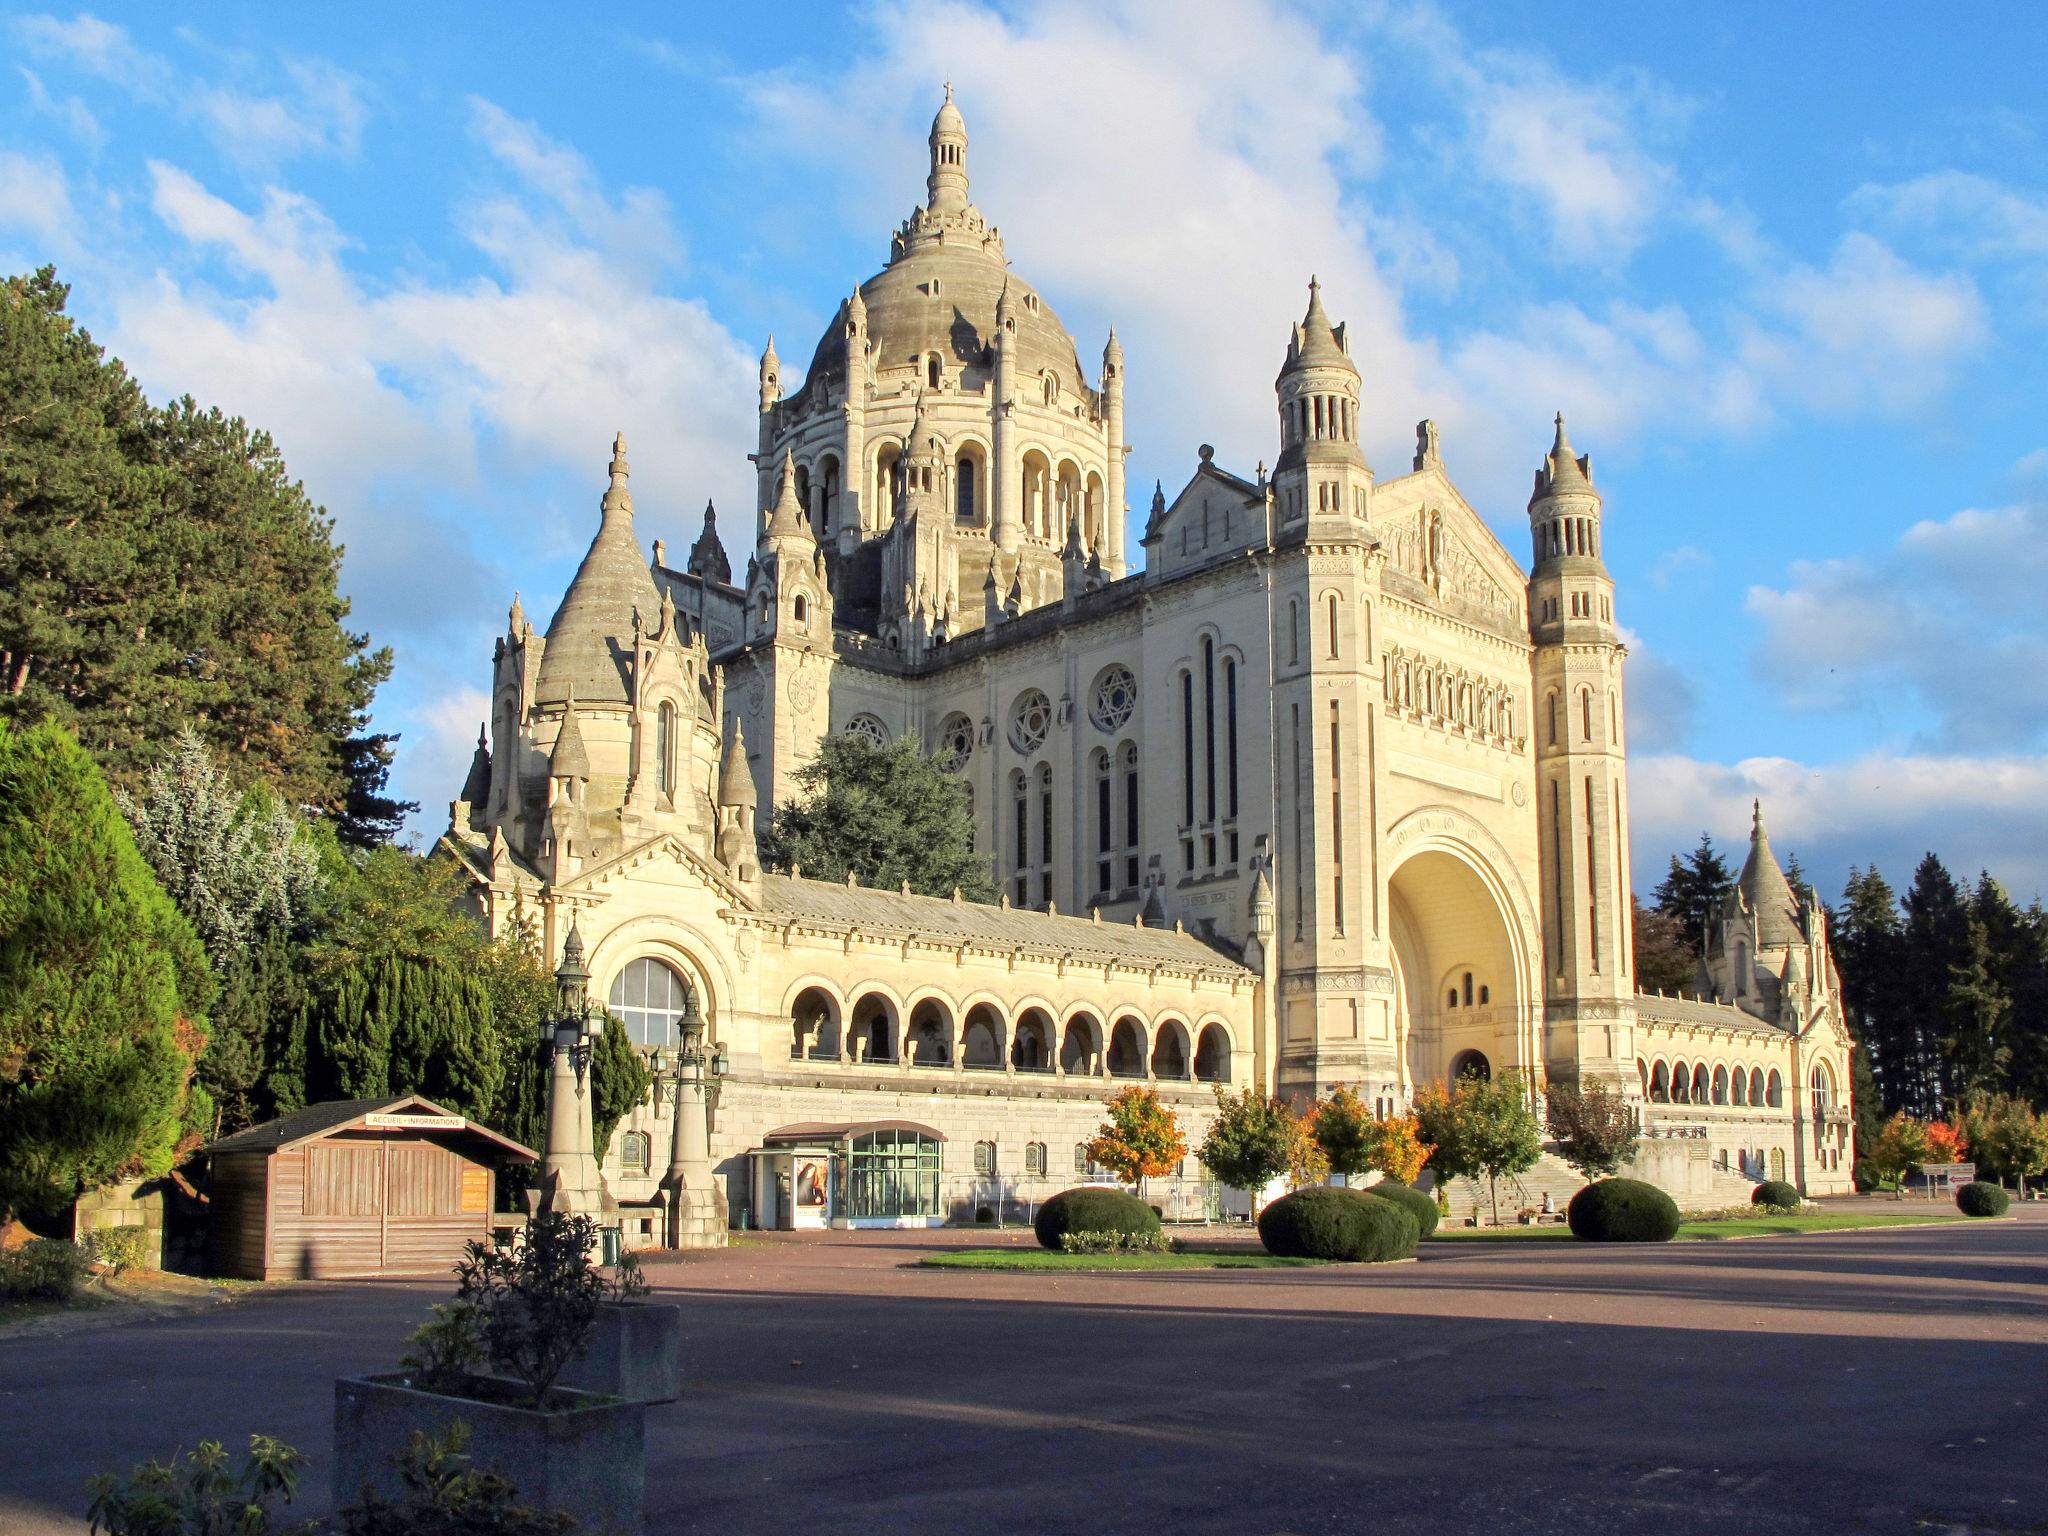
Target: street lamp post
[[569, 1178], [693, 1079]]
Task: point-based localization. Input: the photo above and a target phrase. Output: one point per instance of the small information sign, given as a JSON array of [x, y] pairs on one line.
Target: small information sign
[[390, 1122]]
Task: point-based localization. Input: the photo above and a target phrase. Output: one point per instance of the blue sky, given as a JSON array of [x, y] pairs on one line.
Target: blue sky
[[1784, 269]]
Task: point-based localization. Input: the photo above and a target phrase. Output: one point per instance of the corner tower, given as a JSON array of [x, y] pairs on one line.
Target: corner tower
[[1321, 477], [1581, 778]]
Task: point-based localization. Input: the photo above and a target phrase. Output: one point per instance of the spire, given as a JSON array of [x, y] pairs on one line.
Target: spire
[[1113, 352], [1564, 470], [611, 583], [946, 185], [1765, 890], [787, 520], [569, 760], [1317, 343], [771, 377], [516, 619], [1157, 517], [476, 789], [619, 496], [735, 779], [708, 560]]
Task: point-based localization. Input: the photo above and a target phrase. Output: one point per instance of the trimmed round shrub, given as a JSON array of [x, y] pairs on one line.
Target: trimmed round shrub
[[1778, 1193], [1091, 1210], [1982, 1199], [1623, 1211], [1411, 1200], [1345, 1224]]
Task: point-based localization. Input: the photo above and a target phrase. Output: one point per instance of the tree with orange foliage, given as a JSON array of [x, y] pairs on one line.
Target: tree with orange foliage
[[1343, 1128], [1398, 1150], [1141, 1139], [1944, 1142]]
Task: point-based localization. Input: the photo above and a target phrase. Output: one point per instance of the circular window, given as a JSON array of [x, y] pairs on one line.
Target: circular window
[[869, 728], [956, 742], [1116, 695], [1030, 719]]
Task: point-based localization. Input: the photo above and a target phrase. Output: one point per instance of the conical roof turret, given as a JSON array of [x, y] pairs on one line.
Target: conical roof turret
[[707, 556], [1316, 343], [735, 779], [610, 585], [1766, 891], [476, 789], [787, 521], [569, 759], [1563, 471]]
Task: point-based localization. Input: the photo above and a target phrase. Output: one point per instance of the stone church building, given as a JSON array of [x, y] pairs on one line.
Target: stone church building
[[1329, 789]]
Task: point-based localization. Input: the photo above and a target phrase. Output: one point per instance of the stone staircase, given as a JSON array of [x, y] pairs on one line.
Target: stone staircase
[[1706, 1187]]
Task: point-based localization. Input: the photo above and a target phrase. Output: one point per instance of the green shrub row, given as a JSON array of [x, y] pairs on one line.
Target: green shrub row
[[1623, 1211], [1344, 1224], [1777, 1195], [1412, 1200], [43, 1269], [1117, 1242], [1982, 1199], [1092, 1210]]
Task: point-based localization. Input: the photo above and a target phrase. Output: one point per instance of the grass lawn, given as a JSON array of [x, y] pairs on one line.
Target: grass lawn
[[1041, 1258], [1713, 1231]]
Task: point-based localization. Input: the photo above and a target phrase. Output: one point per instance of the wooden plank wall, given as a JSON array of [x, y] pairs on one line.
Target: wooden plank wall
[[235, 1218], [373, 1204]]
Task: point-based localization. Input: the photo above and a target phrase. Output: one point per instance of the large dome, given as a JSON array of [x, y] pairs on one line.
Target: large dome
[[940, 289], [936, 299]]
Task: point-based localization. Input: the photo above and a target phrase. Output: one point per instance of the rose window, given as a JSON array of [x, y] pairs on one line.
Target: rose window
[[869, 727], [1030, 719], [956, 743], [1116, 695]]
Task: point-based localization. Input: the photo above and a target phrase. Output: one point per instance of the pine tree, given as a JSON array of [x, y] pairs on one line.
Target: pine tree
[[1977, 1015], [1934, 945], [160, 568], [885, 814], [1868, 947], [1693, 889], [103, 986], [1664, 961]]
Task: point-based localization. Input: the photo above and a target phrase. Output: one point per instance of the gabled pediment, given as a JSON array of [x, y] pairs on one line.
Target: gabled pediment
[[685, 867], [1434, 537]]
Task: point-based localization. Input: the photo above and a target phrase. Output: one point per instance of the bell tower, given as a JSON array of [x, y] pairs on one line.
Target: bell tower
[[1581, 779]]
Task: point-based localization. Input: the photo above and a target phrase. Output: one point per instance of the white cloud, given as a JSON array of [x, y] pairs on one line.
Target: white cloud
[[319, 108], [1947, 623], [75, 116], [1867, 332], [420, 413], [36, 196], [1973, 214], [438, 741], [1687, 562], [1882, 808]]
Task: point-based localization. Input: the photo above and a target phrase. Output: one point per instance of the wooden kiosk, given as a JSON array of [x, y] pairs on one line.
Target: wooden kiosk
[[356, 1187]]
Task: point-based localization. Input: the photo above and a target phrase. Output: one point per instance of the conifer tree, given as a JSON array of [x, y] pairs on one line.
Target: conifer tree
[[1692, 891], [161, 568], [103, 986], [1934, 945], [885, 814], [1868, 949]]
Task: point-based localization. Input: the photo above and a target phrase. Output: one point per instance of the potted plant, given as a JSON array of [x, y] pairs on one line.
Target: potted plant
[[636, 1346], [527, 1313]]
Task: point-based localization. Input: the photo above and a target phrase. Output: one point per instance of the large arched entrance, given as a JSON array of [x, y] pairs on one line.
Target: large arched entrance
[[1462, 989]]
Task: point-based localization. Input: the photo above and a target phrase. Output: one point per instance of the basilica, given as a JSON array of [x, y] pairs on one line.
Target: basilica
[[1328, 788]]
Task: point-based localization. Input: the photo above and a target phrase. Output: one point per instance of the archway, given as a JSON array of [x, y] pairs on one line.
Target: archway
[[1170, 1050], [1471, 1065], [1461, 965], [930, 1036], [1212, 1055], [1081, 1046], [1031, 1049], [981, 1042], [814, 1026], [873, 1037], [1127, 1049]]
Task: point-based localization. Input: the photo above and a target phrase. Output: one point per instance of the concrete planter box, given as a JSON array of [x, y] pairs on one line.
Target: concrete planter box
[[636, 1352], [588, 1460]]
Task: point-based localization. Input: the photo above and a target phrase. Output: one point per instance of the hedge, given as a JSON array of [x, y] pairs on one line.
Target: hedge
[[1982, 1199], [1346, 1224], [1411, 1200], [1623, 1211], [1776, 1192], [1092, 1210]]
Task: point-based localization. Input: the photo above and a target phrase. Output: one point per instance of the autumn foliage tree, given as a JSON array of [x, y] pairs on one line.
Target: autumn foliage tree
[[1343, 1129], [1140, 1138], [1901, 1147], [1250, 1140], [1594, 1126], [1397, 1149]]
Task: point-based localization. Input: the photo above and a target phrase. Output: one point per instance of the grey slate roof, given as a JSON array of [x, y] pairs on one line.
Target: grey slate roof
[[1691, 1010], [1768, 893], [944, 921], [310, 1121]]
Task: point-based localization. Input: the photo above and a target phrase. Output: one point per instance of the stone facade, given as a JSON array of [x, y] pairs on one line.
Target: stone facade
[[1331, 790]]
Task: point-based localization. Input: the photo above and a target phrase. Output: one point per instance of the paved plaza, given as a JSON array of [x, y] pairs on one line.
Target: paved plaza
[[1858, 1382]]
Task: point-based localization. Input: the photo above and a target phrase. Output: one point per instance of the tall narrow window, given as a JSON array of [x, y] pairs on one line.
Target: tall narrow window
[[1624, 937], [1187, 747], [1337, 818], [1104, 833], [1130, 767], [1333, 626], [1293, 633], [964, 490], [1550, 719], [665, 748], [1209, 724], [1294, 737], [1020, 809], [1592, 877], [1045, 836], [1230, 730], [1557, 860], [1586, 712]]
